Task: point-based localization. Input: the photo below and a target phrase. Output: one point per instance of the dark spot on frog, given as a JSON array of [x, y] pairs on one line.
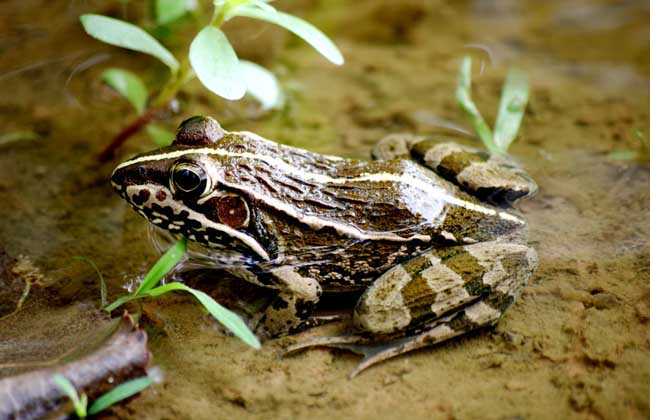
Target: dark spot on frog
[[470, 270], [141, 197], [500, 301], [502, 197], [454, 163], [161, 195], [304, 308], [280, 303]]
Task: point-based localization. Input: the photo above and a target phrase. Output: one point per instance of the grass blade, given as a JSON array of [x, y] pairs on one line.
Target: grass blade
[[262, 85], [128, 85], [624, 155], [514, 98], [119, 393], [126, 35], [163, 266], [15, 136], [305, 30], [228, 318], [66, 386], [160, 136], [216, 65], [102, 283], [464, 98]]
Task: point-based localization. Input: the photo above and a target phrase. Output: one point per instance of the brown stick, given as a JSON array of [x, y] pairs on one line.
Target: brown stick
[[138, 124]]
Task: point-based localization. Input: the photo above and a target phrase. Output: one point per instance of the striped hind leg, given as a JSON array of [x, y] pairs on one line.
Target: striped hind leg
[[496, 179], [432, 298]]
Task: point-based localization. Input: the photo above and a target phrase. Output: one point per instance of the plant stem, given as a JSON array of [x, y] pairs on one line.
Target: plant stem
[[138, 124], [162, 100]]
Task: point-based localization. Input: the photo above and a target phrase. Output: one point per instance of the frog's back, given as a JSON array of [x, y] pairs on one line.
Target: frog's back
[[392, 200]]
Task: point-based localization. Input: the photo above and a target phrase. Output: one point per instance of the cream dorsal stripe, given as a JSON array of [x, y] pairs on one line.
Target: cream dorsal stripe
[[321, 178]]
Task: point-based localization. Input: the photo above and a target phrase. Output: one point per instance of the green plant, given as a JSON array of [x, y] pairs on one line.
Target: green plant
[[161, 268], [514, 97], [641, 155], [117, 394], [102, 283], [211, 59]]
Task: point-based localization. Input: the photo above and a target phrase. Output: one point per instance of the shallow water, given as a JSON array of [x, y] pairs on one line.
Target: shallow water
[[576, 344]]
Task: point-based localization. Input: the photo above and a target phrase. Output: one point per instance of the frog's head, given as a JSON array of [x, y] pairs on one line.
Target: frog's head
[[177, 188]]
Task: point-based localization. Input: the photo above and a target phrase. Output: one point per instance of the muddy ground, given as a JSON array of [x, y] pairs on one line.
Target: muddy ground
[[575, 345]]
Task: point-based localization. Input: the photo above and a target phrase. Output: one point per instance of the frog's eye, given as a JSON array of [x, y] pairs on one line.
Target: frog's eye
[[232, 210], [188, 177]]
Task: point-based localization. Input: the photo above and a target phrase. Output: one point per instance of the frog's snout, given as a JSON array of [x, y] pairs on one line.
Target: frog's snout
[[138, 173], [124, 176], [127, 176], [117, 179]]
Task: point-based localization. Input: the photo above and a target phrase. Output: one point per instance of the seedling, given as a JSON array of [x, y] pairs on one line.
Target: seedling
[[641, 155], [514, 98], [211, 59], [160, 269], [117, 394], [102, 283]]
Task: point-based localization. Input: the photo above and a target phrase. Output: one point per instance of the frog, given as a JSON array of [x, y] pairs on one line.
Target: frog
[[425, 234]]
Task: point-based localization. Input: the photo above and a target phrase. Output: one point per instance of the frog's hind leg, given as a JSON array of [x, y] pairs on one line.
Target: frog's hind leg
[[434, 297], [496, 179]]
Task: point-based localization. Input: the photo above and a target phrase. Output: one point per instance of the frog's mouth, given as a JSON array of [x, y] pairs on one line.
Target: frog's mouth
[[156, 203]]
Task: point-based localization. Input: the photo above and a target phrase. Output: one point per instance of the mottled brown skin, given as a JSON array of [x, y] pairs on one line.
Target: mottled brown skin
[[305, 223]]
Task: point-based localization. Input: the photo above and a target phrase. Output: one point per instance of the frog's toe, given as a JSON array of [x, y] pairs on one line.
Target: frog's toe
[[340, 341], [372, 352], [354, 343]]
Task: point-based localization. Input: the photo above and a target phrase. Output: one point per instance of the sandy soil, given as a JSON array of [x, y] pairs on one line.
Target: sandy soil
[[575, 345]]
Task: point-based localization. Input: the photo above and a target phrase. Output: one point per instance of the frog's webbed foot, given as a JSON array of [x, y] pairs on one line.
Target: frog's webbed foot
[[496, 179]]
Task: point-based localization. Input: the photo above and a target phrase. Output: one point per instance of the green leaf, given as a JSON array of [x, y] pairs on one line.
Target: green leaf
[[168, 11], [305, 30], [261, 84], [159, 270], [160, 136], [163, 266], [216, 65], [263, 4], [126, 35], [66, 386], [128, 85], [119, 393], [464, 98], [514, 98], [119, 302], [228, 318]]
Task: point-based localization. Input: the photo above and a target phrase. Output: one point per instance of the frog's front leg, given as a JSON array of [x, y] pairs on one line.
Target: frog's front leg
[[434, 297], [496, 179], [296, 299]]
